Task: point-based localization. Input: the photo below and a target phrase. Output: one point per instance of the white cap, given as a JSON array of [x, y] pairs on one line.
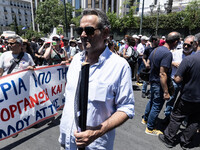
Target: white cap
[[163, 37], [144, 38], [48, 40], [55, 35], [122, 41], [140, 35], [135, 36], [79, 41]]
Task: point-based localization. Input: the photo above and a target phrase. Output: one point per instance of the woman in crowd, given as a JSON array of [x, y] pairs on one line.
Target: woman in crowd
[[54, 54]]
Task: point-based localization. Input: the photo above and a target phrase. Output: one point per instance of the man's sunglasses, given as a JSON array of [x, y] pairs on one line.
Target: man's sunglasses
[[188, 45], [88, 30], [12, 43]]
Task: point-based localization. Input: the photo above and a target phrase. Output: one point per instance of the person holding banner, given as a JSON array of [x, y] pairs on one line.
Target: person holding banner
[[110, 93], [15, 60]]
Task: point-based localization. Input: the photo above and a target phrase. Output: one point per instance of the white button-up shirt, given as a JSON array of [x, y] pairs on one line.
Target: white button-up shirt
[[110, 90]]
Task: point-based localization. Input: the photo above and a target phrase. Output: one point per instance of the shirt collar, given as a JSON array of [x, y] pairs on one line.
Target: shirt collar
[[106, 53]]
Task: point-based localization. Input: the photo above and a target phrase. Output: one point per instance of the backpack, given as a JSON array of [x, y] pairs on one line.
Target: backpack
[[134, 55]]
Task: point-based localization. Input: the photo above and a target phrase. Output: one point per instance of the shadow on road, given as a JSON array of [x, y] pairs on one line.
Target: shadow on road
[[53, 123]]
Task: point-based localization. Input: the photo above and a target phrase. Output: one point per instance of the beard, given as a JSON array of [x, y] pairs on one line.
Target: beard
[[187, 51]]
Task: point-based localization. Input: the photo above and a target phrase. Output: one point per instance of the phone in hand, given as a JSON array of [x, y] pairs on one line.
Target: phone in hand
[[54, 43]]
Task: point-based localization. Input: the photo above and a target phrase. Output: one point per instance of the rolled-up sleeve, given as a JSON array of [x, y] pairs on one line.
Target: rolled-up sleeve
[[124, 99]]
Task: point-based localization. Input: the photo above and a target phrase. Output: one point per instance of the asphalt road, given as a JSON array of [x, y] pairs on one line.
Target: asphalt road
[[129, 136]]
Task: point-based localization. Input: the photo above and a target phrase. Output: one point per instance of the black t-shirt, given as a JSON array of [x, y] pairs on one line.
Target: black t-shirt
[[147, 52], [161, 58], [189, 70]]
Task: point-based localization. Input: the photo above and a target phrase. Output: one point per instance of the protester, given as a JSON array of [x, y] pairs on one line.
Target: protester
[[66, 46], [73, 49], [55, 54], [129, 52], [9, 57], [178, 56], [140, 48], [42, 50], [154, 44], [26, 48], [80, 46], [110, 97], [34, 47], [188, 103], [160, 60]]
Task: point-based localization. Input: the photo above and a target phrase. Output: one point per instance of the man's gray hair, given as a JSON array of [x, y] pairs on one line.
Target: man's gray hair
[[103, 19], [197, 38], [188, 37], [16, 38]]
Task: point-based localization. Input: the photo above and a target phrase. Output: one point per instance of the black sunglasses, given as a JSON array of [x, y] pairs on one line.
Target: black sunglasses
[[88, 30], [11, 43], [56, 39], [188, 45]]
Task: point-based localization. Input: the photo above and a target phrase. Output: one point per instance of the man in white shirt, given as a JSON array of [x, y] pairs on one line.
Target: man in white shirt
[[140, 48], [110, 96], [8, 58]]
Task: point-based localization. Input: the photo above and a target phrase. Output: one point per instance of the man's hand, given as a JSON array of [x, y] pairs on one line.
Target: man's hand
[[166, 96], [30, 67], [84, 138], [176, 64]]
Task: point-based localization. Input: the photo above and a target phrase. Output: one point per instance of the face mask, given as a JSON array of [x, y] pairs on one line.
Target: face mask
[[187, 51]]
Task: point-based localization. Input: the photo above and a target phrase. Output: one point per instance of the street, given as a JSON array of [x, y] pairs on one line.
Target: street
[[129, 136]]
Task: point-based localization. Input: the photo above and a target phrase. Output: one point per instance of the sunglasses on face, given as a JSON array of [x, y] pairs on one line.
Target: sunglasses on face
[[11, 44], [56, 39], [188, 45], [88, 30]]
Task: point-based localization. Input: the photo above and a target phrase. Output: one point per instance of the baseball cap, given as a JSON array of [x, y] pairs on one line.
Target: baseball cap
[[144, 38], [135, 36]]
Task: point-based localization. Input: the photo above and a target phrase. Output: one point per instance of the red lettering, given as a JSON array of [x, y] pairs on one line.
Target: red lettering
[[46, 98], [46, 92], [19, 108], [34, 101], [13, 108], [26, 103], [59, 89], [2, 116], [41, 95], [53, 90]]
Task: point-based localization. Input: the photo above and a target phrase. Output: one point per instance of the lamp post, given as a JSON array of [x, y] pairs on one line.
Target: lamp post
[[141, 19], [166, 6]]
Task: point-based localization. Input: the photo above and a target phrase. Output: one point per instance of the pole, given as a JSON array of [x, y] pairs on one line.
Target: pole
[[65, 18], [158, 11], [141, 19], [33, 20]]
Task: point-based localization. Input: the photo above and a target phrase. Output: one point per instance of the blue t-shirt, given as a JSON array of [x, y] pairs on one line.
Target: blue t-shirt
[[189, 71], [160, 57]]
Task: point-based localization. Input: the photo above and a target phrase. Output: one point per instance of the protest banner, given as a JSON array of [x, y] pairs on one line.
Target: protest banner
[[28, 97]]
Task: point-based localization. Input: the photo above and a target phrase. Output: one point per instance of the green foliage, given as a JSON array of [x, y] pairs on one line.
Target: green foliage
[[50, 13], [29, 33]]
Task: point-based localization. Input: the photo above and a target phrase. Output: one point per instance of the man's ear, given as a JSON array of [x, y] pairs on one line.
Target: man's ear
[[106, 32]]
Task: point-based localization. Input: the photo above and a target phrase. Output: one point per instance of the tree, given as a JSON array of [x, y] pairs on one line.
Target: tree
[[50, 13]]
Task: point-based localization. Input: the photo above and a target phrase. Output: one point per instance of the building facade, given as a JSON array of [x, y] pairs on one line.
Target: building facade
[[11, 9]]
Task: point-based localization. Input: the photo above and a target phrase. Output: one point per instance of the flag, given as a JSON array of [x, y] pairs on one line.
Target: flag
[[24, 28]]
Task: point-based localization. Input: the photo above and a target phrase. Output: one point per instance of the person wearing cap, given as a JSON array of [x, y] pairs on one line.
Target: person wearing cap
[[55, 54], [66, 46], [42, 50], [122, 46], [79, 46], [7, 58], [140, 48], [73, 49]]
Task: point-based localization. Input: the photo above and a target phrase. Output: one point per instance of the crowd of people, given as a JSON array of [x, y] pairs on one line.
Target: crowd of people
[[111, 100]]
